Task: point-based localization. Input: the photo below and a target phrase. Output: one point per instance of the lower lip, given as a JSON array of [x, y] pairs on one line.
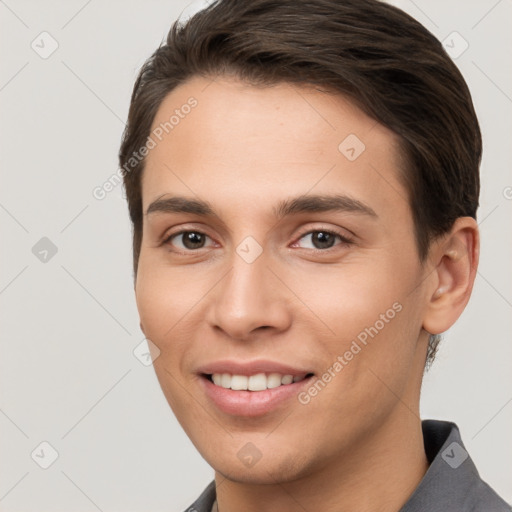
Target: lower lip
[[251, 403]]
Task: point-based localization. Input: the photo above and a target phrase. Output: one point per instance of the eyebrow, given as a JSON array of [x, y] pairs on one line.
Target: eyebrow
[[284, 208]]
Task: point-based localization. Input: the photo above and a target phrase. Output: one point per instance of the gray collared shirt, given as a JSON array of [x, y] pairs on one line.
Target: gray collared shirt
[[451, 483]]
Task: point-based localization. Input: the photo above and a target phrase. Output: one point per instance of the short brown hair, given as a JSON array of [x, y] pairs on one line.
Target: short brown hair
[[376, 55]]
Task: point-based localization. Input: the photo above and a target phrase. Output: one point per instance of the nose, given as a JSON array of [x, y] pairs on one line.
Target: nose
[[249, 299]]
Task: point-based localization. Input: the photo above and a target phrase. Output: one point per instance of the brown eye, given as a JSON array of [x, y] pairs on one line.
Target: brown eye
[[324, 239], [189, 240]]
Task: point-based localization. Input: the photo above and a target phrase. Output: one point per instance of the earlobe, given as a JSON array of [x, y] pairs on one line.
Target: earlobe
[[456, 259]]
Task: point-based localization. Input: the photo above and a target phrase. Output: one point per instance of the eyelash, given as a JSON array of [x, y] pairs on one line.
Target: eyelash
[[345, 240]]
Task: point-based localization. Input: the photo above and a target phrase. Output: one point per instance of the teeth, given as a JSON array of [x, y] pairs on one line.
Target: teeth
[[273, 380], [225, 381], [239, 382], [287, 379], [257, 382]]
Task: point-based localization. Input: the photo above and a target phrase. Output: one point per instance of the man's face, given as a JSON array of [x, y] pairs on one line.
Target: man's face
[[333, 298]]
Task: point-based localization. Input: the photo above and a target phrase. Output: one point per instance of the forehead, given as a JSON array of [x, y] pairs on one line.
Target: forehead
[[239, 140]]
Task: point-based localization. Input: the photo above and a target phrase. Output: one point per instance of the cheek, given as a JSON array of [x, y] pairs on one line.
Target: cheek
[[171, 303], [153, 305], [351, 298], [163, 301], [163, 297], [374, 323]]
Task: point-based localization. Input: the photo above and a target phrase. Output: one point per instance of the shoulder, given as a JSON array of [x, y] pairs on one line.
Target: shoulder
[[484, 499], [452, 482]]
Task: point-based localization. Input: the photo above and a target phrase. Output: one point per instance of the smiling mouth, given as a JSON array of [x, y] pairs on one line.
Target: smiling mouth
[[256, 382]]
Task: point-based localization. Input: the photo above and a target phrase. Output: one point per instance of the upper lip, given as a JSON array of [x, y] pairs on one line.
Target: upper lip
[[251, 368]]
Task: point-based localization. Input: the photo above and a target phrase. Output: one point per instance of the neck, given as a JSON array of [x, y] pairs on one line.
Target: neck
[[379, 474]]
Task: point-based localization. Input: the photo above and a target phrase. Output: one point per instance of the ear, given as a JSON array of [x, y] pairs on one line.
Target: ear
[[455, 258]]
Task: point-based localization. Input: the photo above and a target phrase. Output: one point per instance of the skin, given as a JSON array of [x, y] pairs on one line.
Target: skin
[[243, 149]]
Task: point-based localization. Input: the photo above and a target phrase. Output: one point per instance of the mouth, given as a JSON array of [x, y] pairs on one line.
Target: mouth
[[256, 382], [252, 389]]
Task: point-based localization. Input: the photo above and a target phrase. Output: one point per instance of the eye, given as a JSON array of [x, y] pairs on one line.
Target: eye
[[319, 239], [189, 240], [324, 239]]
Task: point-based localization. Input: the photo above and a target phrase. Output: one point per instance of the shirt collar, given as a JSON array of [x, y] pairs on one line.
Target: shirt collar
[[451, 477]]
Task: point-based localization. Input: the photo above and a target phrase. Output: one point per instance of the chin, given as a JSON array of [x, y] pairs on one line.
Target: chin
[[278, 467]]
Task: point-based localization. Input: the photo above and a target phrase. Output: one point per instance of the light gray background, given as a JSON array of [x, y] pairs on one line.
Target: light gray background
[[68, 374]]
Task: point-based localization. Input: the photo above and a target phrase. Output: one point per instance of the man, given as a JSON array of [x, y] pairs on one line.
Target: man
[[302, 179]]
